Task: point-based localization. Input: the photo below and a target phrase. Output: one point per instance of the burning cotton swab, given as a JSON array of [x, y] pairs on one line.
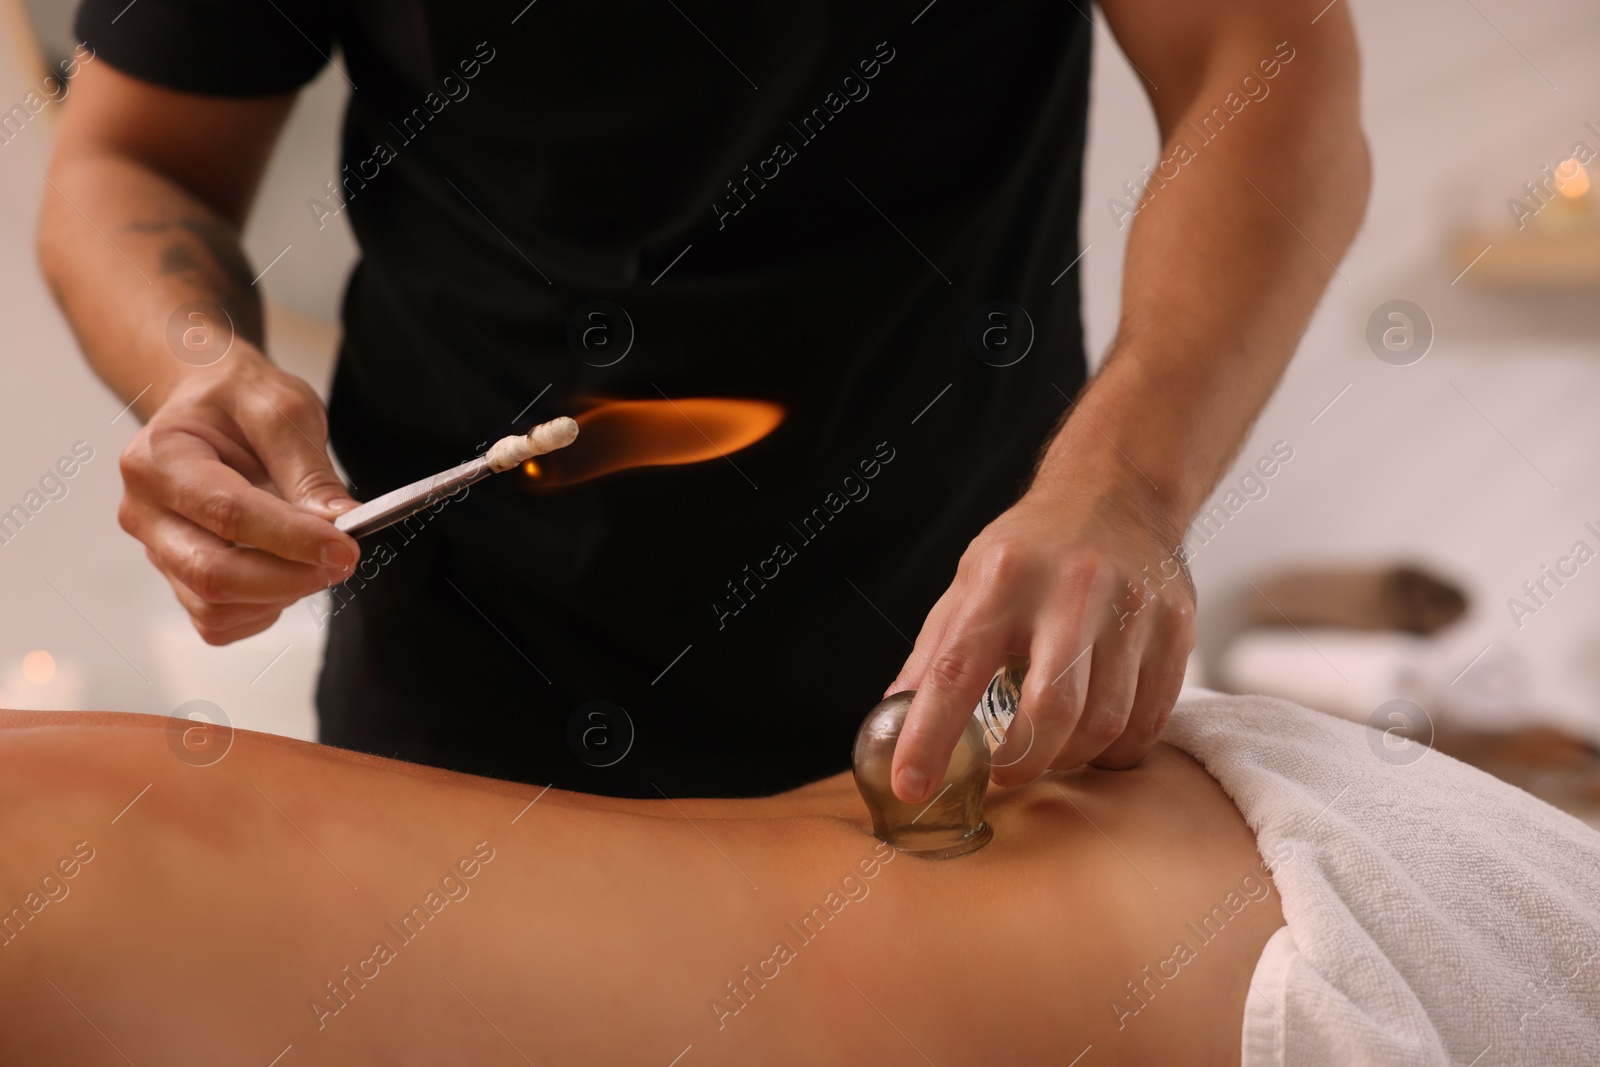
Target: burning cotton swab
[[505, 454]]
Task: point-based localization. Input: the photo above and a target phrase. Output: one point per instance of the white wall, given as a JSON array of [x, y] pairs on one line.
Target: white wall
[[1458, 117]]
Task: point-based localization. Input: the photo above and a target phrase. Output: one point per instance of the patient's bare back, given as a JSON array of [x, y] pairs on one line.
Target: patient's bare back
[[287, 899]]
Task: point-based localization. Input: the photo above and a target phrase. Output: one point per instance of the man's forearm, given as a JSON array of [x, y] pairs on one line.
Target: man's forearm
[[1226, 260], [124, 249]]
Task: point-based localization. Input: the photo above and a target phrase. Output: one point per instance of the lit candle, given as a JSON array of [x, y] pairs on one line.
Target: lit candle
[[41, 682], [1573, 205]]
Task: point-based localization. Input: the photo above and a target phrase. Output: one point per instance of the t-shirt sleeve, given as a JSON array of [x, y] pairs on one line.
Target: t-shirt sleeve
[[213, 47]]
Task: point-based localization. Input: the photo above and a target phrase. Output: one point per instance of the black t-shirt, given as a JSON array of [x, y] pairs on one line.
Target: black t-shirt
[[860, 212]]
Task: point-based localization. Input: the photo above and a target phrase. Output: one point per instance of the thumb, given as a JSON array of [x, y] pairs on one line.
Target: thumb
[[289, 436], [317, 488]]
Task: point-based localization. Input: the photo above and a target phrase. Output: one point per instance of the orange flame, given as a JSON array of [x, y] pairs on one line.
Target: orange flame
[[617, 435], [1572, 181]]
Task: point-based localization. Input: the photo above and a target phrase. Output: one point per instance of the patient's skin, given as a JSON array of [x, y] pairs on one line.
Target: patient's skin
[[217, 906]]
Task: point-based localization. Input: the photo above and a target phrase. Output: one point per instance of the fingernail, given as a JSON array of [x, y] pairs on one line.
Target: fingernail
[[336, 555], [911, 783], [339, 503]]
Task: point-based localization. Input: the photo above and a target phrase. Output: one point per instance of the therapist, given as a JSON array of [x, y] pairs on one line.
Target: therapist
[[866, 214]]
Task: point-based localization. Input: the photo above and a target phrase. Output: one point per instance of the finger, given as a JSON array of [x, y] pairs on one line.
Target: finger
[[183, 473], [219, 624], [928, 638], [219, 572], [973, 648], [1160, 680], [239, 633], [1053, 695], [1113, 678], [287, 427]]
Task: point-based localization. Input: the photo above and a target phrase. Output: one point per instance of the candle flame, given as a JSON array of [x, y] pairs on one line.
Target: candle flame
[[1572, 180], [618, 435], [39, 667]]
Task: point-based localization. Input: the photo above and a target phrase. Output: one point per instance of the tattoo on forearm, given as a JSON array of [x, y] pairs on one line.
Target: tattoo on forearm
[[178, 258], [195, 239]]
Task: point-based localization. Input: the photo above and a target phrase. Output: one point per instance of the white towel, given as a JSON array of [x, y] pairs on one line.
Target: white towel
[[1464, 676], [1435, 914]]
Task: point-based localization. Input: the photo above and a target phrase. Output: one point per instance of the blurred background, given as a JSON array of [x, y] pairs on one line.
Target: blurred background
[[1441, 450]]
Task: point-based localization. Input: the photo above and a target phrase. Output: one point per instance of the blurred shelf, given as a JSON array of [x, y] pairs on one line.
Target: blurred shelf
[[1530, 259]]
